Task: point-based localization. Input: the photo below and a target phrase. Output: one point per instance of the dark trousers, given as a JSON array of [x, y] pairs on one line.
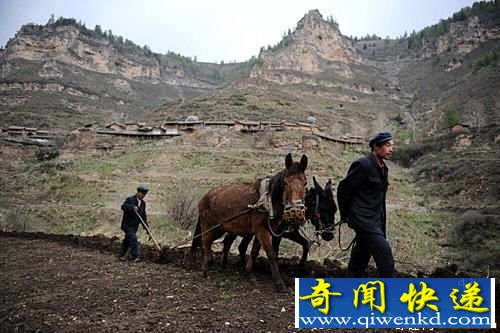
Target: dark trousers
[[371, 245], [130, 240]]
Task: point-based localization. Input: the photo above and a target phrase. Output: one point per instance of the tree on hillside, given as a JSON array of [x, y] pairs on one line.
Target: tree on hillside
[[147, 50], [52, 20], [473, 113], [451, 117], [110, 36], [98, 30]]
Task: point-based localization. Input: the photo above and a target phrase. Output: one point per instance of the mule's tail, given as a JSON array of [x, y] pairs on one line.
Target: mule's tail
[[196, 243]]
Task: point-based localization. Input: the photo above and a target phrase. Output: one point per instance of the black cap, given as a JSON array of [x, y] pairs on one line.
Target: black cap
[[379, 138], [143, 189]]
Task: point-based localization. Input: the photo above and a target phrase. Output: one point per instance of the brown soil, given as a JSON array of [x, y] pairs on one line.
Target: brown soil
[[56, 283], [63, 283]]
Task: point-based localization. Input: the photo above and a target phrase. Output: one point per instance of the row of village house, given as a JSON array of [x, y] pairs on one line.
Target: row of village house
[[168, 128], [172, 128], [30, 136], [175, 128]]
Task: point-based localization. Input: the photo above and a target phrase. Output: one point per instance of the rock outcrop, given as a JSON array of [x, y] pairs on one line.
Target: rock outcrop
[[462, 38], [68, 44], [315, 46]]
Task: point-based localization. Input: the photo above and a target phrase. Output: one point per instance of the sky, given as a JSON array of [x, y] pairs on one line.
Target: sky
[[225, 30]]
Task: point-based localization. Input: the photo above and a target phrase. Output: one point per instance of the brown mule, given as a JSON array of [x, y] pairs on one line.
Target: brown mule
[[320, 211], [221, 208]]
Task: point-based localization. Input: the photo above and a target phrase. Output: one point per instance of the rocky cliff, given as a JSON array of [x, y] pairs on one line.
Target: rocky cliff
[[462, 38], [315, 46], [82, 48], [55, 69]]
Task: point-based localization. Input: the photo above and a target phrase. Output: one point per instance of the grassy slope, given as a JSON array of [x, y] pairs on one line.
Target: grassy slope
[[80, 193], [458, 173]]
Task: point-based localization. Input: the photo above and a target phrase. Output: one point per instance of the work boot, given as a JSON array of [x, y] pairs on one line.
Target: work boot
[[122, 258], [136, 259]]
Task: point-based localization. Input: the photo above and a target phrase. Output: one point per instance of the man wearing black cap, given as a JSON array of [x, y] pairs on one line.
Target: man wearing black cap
[[361, 197], [133, 207]]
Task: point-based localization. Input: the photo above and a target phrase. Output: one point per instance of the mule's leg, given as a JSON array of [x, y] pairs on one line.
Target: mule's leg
[[207, 240], [228, 241], [298, 238], [196, 242], [264, 237], [253, 255], [276, 245], [242, 248]]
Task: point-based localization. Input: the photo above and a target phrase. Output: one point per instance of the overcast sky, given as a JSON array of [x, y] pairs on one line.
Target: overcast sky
[[225, 30]]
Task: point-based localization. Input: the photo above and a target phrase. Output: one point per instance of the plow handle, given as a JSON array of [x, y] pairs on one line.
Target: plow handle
[[148, 231]]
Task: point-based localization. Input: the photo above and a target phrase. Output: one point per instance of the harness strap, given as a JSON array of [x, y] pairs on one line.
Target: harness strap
[[311, 241], [260, 206], [339, 223], [216, 226], [316, 204]]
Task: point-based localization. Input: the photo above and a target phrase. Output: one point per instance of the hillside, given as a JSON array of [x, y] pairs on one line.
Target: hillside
[[314, 71], [450, 67]]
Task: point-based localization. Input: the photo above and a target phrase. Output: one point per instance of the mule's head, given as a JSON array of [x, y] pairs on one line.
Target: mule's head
[[295, 181], [321, 209]]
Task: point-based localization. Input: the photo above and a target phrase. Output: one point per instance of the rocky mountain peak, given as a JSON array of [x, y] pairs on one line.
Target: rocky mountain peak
[[311, 20], [316, 45]]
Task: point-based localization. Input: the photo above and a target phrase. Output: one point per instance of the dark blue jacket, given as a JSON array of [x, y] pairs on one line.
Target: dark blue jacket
[[130, 218], [361, 196]]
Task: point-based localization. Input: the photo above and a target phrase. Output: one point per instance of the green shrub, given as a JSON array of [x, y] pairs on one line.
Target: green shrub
[[451, 117], [46, 154], [490, 58]]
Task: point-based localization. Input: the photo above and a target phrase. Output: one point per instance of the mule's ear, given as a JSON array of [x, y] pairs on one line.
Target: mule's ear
[[303, 162], [288, 160], [328, 186], [317, 185]]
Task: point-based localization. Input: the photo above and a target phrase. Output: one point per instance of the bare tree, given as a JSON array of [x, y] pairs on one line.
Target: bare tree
[[474, 113]]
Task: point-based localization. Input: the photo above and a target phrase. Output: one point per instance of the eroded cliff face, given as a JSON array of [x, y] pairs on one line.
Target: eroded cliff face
[[462, 38], [315, 46], [69, 45]]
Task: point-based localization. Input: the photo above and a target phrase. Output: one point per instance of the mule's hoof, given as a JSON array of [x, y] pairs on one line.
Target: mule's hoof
[[250, 277], [289, 282], [280, 287]]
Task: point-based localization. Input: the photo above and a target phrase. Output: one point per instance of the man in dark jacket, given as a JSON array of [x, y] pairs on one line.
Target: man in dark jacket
[[361, 197], [133, 207]]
